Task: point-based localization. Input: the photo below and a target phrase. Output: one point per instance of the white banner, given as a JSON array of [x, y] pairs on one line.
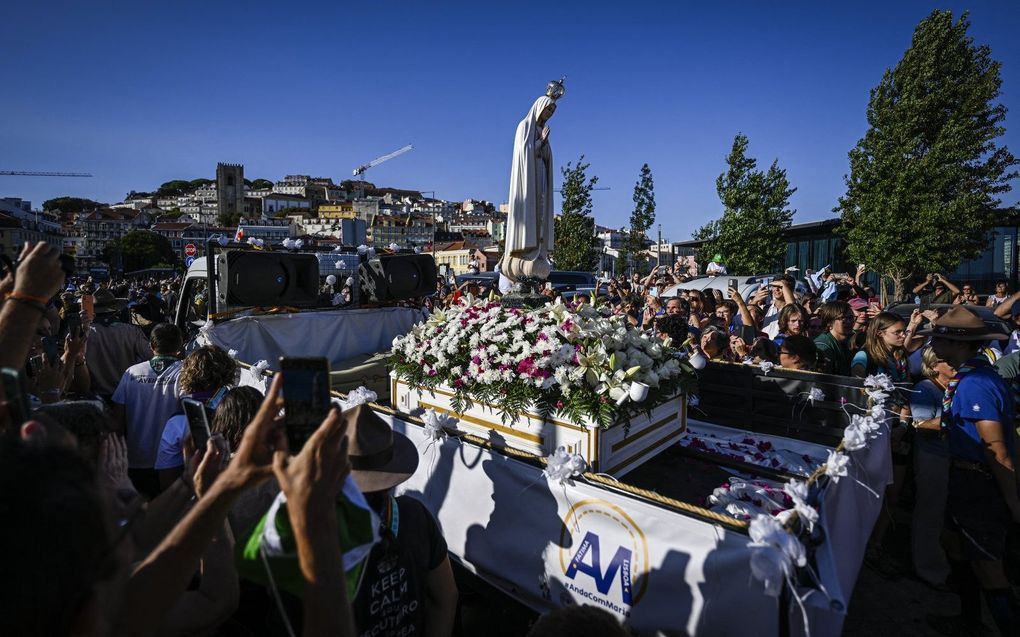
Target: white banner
[[336, 334], [661, 571], [549, 545]]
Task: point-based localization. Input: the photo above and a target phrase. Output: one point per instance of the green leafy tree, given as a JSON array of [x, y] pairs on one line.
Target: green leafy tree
[[174, 188], [924, 181], [261, 184], [632, 252], [227, 220], [575, 246], [756, 212], [71, 204], [139, 249]]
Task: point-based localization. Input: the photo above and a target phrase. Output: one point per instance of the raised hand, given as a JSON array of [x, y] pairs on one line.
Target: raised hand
[[39, 274]]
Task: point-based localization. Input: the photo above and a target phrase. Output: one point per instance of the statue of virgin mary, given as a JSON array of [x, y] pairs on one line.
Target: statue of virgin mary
[[529, 224]]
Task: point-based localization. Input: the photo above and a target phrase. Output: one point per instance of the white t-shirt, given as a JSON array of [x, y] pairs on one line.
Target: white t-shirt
[[171, 444], [149, 399], [770, 325]]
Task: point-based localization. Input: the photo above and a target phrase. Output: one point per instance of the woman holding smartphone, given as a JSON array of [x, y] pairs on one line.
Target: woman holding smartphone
[[699, 317]]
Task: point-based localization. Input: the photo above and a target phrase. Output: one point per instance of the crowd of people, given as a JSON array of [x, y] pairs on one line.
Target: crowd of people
[[121, 525], [960, 462]]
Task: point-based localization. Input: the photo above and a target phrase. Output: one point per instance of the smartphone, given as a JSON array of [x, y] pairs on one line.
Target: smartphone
[[733, 284], [305, 397], [34, 366], [73, 323], [17, 397], [198, 422], [88, 304], [925, 303], [217, 398], [51, 348]]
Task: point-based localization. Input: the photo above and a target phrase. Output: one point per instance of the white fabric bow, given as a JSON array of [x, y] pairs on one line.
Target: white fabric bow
[[562, 465], [436, 424], [774, 553]]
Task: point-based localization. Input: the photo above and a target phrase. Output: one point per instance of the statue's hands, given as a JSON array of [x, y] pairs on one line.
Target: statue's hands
[[545, 133]]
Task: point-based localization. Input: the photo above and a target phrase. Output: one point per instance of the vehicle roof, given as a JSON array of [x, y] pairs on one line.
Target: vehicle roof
[[747, 285]]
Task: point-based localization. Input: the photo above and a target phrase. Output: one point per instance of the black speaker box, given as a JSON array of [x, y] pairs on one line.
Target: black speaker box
[[397, 277], [262, 279]]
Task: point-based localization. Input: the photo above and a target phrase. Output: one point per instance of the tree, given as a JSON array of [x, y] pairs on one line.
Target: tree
[[641, 219], [71, 204], [139, 249], [923, 183], [174, 188], [261, 184], [749, 235], [226, 219], [575, 246]]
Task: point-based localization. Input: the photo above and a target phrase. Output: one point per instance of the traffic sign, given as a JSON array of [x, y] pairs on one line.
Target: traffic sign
[[188, 261], [190, 250]]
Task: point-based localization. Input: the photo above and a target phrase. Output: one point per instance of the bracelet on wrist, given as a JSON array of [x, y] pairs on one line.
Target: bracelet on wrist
[[28, 297], [28, 302]]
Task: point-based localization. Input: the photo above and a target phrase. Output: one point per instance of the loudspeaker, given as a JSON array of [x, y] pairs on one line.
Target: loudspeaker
[[397, 277], [261, 279]]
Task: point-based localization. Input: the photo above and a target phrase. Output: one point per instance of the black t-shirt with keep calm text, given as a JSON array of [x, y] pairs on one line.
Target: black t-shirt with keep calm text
[[391, 598]]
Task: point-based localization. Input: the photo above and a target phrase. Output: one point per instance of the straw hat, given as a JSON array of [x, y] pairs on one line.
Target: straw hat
[[380, 457], [959, 324], [107, 303]]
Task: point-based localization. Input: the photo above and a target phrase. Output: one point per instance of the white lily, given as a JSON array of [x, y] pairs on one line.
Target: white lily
[[592, 360]]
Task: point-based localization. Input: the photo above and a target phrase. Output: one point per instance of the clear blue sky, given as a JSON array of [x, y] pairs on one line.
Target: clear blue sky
[[139, 93]]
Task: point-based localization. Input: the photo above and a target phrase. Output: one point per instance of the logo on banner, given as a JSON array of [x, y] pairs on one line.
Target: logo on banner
[[606, 559]]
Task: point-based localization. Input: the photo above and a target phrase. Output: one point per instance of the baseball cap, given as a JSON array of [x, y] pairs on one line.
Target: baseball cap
[[858, 304]]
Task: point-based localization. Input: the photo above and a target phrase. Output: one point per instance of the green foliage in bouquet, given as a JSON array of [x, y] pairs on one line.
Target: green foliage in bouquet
[[576, 363]]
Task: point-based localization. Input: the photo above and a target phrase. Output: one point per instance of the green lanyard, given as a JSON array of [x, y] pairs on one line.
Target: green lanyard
[[392, 516], [160, 363]]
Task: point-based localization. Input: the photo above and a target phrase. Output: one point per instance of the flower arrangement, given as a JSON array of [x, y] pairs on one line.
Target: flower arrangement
[[576, 362]]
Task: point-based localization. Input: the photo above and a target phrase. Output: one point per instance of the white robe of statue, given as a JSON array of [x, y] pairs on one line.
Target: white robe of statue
[[529, 224]]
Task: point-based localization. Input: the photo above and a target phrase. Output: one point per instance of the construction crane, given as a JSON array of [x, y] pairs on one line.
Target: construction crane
[[35, 173], [360, 170]]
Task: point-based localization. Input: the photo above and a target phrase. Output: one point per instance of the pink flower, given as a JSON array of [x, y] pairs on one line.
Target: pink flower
[[476, 360], [559, 404], [526, 366], [458, 383]]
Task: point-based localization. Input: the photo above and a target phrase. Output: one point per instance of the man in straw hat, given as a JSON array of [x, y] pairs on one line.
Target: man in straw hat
[[113, 346], [408, 585], [978, 420]]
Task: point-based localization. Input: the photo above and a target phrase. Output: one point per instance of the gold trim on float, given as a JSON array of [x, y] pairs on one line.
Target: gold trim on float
[[514, 433], [443, 392], [626, 441], [644, 451]]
